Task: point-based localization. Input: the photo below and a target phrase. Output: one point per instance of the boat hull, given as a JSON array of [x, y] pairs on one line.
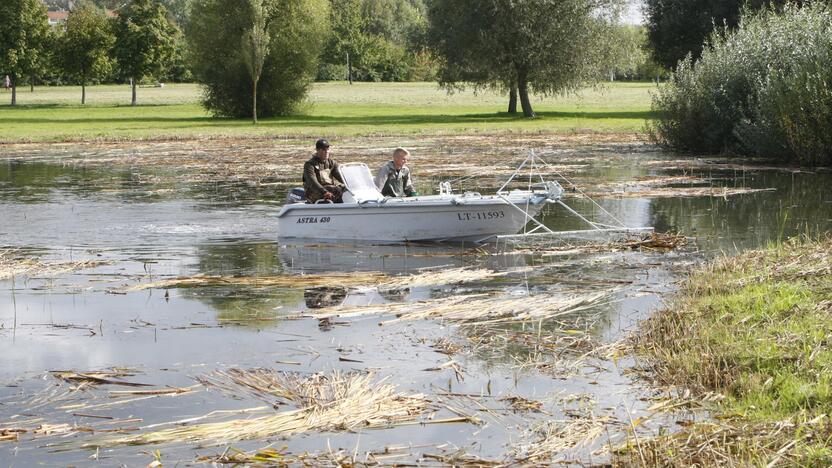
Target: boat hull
[[403, 220]]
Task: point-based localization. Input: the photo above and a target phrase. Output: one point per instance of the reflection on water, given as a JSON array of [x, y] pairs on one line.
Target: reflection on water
[[318, 298], [152, 222]]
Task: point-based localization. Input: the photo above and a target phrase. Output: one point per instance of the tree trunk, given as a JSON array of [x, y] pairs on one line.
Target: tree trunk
[[133, 83], [349, 68], [512, 100], [83, 92], [254, 102], [523, 91], [14, 94], [32, 84]]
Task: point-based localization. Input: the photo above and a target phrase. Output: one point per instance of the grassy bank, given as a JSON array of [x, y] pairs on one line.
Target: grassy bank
[[752, 333], [333, 109]]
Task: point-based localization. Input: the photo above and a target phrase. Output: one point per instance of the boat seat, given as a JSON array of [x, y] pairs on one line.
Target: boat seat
[[360, 184]]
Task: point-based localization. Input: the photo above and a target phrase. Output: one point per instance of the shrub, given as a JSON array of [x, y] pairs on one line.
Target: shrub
[[764, 90], [297, 29]]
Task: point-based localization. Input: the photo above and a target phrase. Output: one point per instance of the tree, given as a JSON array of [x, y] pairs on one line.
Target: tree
[[297, 29], [255, 47], [677, 28], [521, 46], [145, 41], [346, 42], [85, 46], [24, 35]]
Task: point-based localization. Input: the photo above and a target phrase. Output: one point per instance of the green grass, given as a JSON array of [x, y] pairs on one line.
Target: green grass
[[332, 109], [756, 329]]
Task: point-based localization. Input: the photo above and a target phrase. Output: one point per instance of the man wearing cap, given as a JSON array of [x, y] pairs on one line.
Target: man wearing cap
[[393, 178], [321, 179]]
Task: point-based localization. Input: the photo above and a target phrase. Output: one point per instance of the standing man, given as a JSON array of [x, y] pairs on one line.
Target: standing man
[[7, 83], [321, 179], [394, 177]]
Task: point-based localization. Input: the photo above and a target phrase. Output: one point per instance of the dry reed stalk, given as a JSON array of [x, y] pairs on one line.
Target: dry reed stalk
[[728, 444], [429, 278], [443, 277], [12, 265], [687, 192], [475, 308], [332, 458], [97, 378], [327, 403], [300, 281], [555, 437], [11, 434], [655, 241]]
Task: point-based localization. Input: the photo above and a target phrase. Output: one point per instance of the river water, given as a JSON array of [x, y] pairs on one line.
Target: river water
[[157, 211]]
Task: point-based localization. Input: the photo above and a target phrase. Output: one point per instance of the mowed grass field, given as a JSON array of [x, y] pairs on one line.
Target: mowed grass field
[[332, 109]]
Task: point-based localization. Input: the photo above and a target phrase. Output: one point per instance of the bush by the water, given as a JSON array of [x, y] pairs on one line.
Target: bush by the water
[[297, 29], [764, 90]]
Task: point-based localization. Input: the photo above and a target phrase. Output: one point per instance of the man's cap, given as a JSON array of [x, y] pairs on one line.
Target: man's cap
[[321, 143]]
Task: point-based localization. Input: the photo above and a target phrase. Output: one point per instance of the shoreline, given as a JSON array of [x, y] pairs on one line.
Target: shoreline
[[747, 336]]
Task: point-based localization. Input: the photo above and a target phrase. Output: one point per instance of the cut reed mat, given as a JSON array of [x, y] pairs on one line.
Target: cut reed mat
[[334, 402], [475, 308], [12, 264], [345, 280]]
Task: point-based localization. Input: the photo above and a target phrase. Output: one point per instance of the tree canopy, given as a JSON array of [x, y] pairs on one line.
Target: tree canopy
[[379, 36], [24, 34], [541, 46], [145, 40], [677, 28], [297, 29], [83, 50]]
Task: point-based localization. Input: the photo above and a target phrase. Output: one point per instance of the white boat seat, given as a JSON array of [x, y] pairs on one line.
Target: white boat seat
[[360, 184]]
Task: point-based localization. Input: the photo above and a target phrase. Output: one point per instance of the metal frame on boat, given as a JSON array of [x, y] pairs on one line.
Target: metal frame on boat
[[366, 215]]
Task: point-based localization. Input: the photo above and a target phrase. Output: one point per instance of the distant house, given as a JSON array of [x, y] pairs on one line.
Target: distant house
[[58, 17]]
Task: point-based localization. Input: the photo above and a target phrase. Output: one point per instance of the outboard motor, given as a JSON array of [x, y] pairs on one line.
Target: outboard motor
[[296, 195]]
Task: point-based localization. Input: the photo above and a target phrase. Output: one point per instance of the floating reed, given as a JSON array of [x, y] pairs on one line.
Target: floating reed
[[680, 192], [328, 403], [283, 281], [475, 308], [443, 277], [344, 280], [12, 264], [653, 242], [555, 437], [97, 378]]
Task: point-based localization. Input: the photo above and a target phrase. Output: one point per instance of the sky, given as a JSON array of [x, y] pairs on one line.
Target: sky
[[633, 13]]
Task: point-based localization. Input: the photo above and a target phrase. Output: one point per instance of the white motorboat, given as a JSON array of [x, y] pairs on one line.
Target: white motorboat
[[366, 215]]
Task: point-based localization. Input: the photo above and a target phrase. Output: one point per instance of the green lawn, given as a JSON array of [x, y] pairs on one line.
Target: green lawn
[[332, 109]]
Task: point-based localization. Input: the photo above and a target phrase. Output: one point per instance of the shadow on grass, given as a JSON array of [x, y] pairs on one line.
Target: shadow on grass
[[334, 121]]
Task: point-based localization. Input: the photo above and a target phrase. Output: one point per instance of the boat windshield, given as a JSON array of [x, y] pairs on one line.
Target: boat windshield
[[359, 181]]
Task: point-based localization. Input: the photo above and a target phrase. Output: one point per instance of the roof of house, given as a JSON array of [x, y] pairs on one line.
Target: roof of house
[[57, 15]]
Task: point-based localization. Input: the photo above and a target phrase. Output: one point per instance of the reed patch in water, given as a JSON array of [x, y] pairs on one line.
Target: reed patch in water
[[12, 264], [475, 308], [345, 280], [334, 402]]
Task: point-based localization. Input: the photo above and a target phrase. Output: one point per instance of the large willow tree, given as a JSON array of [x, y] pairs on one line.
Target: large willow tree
[[297, 30], [522, 46]]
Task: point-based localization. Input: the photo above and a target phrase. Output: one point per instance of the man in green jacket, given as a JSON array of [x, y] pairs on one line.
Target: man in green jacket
[[321, 179], [394, 179]]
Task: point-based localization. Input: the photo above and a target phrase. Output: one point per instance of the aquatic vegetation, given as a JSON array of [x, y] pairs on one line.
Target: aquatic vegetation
[[337, 401], [13, 264]]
